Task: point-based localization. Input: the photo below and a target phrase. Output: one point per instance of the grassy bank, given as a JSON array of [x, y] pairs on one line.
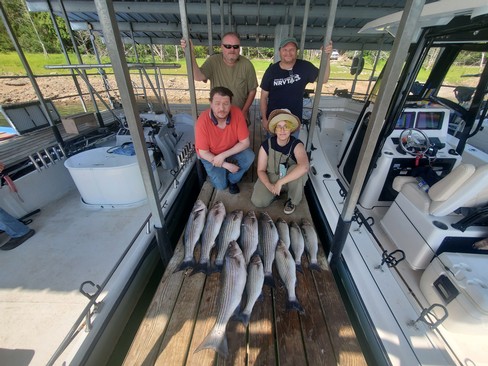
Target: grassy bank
[[10, 65]]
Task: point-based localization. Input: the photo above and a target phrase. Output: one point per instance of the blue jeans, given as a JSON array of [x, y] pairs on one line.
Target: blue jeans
[[220, 176], [13, 227]]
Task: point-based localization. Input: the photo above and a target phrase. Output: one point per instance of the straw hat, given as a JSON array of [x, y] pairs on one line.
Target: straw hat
[[279, 115]]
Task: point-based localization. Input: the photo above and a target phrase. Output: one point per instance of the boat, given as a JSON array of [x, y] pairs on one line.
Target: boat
[[399, 184]]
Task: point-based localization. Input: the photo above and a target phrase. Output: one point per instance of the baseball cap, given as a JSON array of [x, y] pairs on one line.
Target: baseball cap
[[288, 40]]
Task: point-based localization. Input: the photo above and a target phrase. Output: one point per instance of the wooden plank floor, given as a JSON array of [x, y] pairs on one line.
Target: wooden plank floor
[[184, 309]]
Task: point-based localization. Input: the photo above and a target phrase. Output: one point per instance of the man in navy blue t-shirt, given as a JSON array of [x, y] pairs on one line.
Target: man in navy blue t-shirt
[[284, 82]]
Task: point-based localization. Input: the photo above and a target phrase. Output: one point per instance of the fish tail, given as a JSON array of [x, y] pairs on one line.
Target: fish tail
[[217, 267], [294, 305], [315, 267], [299, 268], [269, 280], [216, 341], [244, 318], [200, 267], [185, 265]]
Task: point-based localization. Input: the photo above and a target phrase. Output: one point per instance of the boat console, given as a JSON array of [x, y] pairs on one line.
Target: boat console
[[417, 145]]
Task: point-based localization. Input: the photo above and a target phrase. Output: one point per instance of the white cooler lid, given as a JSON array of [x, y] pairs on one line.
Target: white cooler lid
[[470, 274]]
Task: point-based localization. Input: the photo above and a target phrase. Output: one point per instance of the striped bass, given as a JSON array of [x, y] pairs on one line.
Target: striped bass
[[230, 231], [311, 243], [215, 218], [254, 287], [297, 244], [232, 285], [268, 238], [193, 230], [286, 268], [283, 231], [249, 235]]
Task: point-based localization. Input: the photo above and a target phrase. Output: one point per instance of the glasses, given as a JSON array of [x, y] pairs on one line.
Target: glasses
[[283, 128], [229, 46]]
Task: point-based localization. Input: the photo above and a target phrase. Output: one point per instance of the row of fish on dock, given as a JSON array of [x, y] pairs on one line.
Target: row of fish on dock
[[247, 247]]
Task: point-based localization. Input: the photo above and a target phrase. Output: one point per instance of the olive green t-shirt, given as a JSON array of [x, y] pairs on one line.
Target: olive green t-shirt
[[240, 78]]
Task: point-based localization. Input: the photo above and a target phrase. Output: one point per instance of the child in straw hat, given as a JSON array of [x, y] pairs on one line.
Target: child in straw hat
[[282, 161]]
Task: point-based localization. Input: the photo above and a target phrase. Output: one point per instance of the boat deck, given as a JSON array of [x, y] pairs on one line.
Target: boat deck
[[184, 308]]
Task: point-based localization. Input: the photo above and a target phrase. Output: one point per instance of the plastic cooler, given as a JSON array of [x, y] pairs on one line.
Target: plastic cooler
[[105, 178]]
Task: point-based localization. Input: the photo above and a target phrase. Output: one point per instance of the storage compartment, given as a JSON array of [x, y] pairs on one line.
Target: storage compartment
[[73, 123], [108, 179], [459, 281]]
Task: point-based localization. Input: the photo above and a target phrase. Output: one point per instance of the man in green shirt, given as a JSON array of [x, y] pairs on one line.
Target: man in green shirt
[[229, 69]]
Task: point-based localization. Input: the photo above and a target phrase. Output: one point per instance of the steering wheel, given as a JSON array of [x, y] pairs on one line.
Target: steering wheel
[[414, 141]]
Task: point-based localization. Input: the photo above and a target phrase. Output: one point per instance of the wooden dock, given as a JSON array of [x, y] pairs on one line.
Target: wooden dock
[[185, 307]]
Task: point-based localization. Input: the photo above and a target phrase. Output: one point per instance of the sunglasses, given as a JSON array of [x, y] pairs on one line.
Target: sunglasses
[[229, 46], [283, 128]]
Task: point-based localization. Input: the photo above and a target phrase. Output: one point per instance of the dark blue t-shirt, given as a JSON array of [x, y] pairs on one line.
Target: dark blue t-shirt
[[286, 87], [288, 150]]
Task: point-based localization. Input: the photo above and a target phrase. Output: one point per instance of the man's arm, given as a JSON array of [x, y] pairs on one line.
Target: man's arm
[[237, 148], [249, 101], [198, 75]]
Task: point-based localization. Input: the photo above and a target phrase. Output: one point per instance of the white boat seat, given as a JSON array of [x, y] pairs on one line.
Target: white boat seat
[[426, 217], [465, 186]]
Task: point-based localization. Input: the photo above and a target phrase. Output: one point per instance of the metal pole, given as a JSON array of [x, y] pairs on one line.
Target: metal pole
[[304, 28], [292, 23], [376, 59], [63, 48], [80, 60], [115, 48], [32, 79], [101, 71], [353, 87], [209, 28], [393, 68], [188, 56], [320, 79], [141, 78], [222, 21]]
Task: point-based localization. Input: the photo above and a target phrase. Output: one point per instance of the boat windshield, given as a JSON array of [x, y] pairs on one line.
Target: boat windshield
[[449, 78]]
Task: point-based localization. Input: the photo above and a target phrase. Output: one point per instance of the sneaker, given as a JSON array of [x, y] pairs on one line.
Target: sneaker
[[234, 188], [289, 207], [15, 242]]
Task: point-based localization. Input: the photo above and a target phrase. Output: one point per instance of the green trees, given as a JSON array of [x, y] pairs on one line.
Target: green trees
[[34, 31]]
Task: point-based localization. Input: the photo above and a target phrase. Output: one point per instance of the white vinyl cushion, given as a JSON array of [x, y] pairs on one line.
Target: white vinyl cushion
[[473, 192], [445, 188], [416, 196]]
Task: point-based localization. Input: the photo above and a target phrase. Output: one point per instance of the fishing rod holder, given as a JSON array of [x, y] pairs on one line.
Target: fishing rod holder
[[429, 316], [92, 297]]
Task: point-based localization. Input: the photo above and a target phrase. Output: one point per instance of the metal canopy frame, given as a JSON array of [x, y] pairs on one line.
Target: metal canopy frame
[[159, 22]]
